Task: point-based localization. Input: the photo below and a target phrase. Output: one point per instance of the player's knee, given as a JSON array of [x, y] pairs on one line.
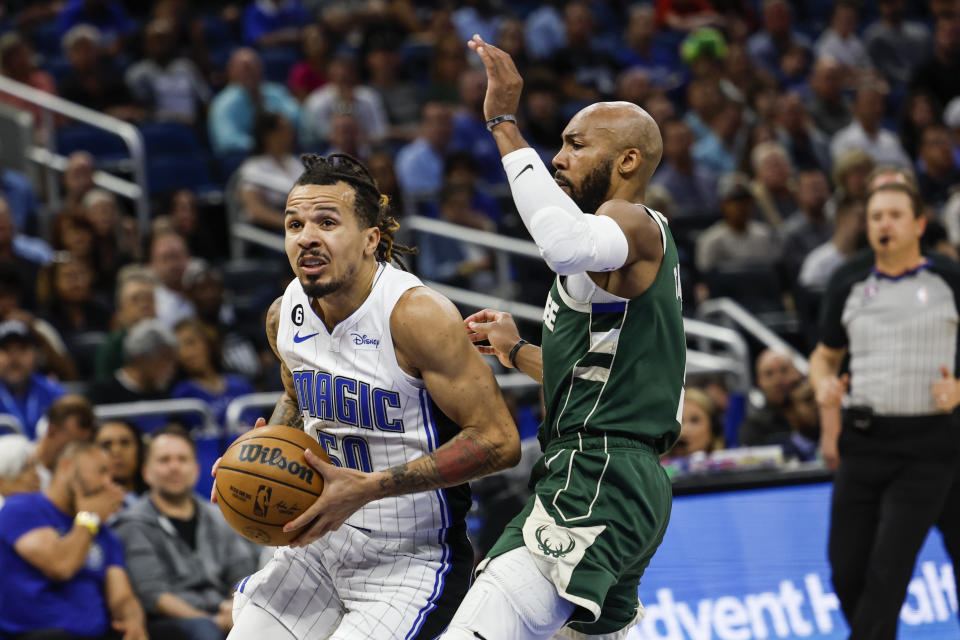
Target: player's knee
[[510, 599], [529, 592]]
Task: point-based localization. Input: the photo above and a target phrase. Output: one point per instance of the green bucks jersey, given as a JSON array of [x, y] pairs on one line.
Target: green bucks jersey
[[616, 366]]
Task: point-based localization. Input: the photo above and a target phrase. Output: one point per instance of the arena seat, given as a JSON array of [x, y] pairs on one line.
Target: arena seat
[[171, 172], [105, 146], [277, 62], [169, 138]]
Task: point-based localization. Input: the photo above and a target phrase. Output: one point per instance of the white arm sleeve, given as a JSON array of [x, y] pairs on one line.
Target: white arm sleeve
[[569, 240]]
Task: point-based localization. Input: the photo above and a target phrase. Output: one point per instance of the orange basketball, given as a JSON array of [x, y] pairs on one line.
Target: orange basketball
[[264, 482]]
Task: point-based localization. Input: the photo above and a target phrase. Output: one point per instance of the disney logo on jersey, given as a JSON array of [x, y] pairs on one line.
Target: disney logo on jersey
[[363, 341], [273, 457]]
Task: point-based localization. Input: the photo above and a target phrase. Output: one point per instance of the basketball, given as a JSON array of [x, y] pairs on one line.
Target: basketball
[[264, 482]]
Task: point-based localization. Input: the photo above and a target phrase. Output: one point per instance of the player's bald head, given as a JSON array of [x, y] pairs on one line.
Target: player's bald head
[[623, 125]]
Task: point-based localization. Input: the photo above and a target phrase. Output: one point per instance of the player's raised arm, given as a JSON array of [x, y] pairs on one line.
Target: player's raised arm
[[616, 138]]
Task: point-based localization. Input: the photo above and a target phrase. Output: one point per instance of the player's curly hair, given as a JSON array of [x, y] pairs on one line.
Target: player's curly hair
[[371, 206]]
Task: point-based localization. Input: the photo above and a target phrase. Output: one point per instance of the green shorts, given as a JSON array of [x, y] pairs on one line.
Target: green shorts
[[597, 515]]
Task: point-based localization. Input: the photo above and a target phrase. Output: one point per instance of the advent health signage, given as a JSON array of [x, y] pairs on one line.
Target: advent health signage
[[752, 565]]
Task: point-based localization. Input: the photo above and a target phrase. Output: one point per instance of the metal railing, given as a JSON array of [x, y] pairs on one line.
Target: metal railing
[[734, 361], [233, 422], [728, 311], [54, 163], [173, 406], [233, 418]]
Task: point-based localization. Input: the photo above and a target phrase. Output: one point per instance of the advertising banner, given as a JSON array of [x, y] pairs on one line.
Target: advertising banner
[[752, 565]]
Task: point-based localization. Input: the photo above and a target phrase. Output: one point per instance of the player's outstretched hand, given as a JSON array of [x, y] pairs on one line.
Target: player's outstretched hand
[[344, 491], [261, 422], [496, 327], [504, 84]]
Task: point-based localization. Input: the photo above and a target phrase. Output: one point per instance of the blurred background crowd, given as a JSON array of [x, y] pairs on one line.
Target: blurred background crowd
[[774, 117]]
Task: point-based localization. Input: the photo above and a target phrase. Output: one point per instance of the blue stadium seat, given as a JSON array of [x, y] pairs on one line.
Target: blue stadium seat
[[104, 145], [45, 38], [59, 67], [227, 163], [216, 32], [169, 138], [277, 62], [168, 173]]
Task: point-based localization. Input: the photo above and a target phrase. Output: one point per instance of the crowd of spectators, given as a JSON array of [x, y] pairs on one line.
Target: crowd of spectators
[[773, 115]]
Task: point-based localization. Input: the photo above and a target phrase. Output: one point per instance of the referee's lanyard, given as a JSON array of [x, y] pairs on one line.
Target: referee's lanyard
[[28, 418]]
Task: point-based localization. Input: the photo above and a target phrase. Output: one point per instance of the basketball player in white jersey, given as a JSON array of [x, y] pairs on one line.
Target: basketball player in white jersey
[[376, 367]]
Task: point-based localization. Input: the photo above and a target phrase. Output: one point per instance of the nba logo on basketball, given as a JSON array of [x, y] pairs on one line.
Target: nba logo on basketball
[[262, 503]]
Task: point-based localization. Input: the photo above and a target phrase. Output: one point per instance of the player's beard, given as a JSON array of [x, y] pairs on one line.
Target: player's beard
[[592, 191], [317, 289]]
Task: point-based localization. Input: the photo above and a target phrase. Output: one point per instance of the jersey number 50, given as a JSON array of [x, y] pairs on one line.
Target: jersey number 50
[[351, 451]]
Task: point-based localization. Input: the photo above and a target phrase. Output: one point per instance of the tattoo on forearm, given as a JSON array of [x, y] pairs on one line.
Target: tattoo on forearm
[[464, 458], [287, 412]]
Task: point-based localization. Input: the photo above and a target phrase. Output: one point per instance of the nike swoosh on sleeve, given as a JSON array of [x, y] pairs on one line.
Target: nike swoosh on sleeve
[[529, 166]]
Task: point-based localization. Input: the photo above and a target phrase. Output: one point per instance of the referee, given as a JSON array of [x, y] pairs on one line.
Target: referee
[[896, 448]]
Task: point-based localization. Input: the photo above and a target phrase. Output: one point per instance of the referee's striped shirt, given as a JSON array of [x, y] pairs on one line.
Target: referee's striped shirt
[[898, 331]]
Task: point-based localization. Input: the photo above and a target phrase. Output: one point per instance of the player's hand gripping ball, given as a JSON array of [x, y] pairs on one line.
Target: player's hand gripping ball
[[264, 482]]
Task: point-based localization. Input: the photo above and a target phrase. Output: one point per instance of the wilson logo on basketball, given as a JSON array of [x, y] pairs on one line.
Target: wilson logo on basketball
[[274, 457]]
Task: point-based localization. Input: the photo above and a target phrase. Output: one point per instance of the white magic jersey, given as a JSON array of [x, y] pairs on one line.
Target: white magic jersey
[[366, 412]]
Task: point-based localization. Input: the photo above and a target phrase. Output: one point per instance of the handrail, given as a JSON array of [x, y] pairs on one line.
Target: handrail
[[130, 135], [477, 300], [238, 405], [255, 235], [153, 407], [702, 362], [733, 311], [486, 239]]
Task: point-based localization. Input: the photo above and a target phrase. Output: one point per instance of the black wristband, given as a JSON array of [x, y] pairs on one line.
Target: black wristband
[[494, 121], [513, 352]]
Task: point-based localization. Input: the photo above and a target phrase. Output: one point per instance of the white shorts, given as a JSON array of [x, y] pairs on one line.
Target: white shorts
[[358, 584]]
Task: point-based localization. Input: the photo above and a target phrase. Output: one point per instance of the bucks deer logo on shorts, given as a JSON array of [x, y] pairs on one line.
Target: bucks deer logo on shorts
[[262, 503], [551, 541]]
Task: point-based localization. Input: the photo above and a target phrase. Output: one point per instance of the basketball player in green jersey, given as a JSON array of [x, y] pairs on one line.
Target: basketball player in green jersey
[[612, 367]]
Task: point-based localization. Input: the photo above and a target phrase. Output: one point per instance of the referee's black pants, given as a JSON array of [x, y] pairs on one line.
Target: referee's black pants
[[890, 489], [949, 525]]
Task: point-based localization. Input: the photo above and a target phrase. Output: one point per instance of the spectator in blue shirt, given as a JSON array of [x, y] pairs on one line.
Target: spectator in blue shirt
[[24, 393], [16, 189], [769, 44], [271, 23], [470, 127], [59, 559], [643, 49], [420, 163], [544, 32], [694, 188], [199, 354], [232, 111]]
